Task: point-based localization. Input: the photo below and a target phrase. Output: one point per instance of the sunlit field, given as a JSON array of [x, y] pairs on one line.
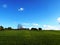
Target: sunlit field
[[26, 37]]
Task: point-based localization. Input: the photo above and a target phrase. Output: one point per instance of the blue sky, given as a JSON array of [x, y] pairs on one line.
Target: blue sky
[[29, 13]]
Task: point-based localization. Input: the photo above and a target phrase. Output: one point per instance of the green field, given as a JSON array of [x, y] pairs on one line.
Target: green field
[[25, 37]]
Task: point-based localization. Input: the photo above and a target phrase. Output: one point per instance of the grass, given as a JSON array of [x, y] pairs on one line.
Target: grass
[[25, 37]]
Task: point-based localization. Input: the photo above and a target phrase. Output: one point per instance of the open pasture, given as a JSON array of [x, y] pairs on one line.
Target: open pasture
[[26, 37]]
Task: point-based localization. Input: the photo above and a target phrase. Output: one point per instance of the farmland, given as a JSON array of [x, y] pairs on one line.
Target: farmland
[[26, 37]]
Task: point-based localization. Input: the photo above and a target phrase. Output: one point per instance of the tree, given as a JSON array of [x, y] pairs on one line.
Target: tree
[[1, 28], [6, 28], [34, 29], [40, 29], [19, 26], [9, 28], [25, 28]]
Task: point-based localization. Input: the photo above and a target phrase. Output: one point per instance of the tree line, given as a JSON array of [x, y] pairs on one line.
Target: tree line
[[19, 27]]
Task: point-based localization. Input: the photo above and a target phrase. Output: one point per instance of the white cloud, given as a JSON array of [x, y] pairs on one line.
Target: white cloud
[[20, 9], [24, 27], [4, 5], [58, 19], [25, 23], [35, 24], [49, 27], [31, 25]]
